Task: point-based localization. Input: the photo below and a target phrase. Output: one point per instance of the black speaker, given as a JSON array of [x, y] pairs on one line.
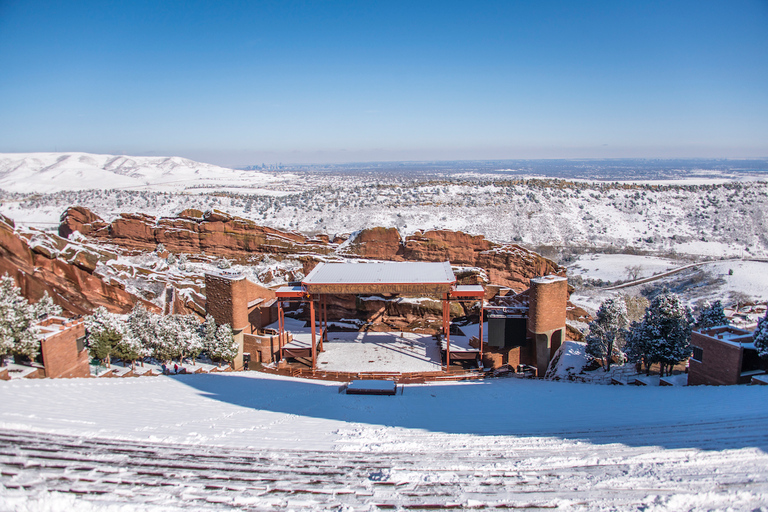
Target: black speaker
[[506, 332]]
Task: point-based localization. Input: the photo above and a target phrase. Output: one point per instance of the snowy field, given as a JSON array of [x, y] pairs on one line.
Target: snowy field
[[613, 267], [258, 442], [693, 215], [717, 280]]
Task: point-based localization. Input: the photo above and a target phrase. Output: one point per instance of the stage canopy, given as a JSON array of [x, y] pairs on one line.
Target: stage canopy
[[406, 278]]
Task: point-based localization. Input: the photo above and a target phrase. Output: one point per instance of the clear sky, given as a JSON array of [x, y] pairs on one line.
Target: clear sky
[[246, 82]]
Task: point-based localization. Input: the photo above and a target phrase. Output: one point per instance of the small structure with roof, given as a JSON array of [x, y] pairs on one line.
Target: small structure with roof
[[416, 279], [723, 355]]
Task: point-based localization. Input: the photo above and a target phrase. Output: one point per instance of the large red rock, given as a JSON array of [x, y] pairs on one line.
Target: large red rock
[[71, 284], [216, 233], [504, 264], [376, 243], [78, 218]]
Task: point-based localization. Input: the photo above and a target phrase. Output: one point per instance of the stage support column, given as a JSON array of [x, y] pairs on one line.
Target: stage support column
[[312, 323], [482, 314], [447, 330], [323, 320], [280, 327]]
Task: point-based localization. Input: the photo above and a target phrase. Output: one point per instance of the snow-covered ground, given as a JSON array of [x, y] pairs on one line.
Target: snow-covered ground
[[715, 280], [379, 352], [615, 267], [53, 172], [260, 441]]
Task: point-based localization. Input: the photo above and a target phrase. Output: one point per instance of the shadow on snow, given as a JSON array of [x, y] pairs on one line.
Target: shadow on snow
[[708, 418]]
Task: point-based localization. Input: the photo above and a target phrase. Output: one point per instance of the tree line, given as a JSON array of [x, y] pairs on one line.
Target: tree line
[[143, 333], [131, 337], [661, 337]]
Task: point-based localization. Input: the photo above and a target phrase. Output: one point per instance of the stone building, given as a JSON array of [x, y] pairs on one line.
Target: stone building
[[247, 307], [63, 349], [723, 355], [530, 332]]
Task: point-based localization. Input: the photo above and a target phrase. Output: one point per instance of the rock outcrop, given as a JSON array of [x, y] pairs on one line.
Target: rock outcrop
[[41, 262], [504, 264], [192, 232], [218, 233]]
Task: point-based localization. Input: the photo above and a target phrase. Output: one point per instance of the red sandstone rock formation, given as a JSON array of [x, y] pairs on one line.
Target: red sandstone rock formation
[[193, 231], [504, 264], [42, 263]]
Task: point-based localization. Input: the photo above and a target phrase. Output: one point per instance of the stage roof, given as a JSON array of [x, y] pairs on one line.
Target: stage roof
[[381, 277]]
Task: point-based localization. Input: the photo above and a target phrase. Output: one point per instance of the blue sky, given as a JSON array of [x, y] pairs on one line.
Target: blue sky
[[240, 83]]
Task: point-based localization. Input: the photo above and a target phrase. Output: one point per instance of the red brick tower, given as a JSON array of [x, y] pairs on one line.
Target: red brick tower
[[227, 301], [546, 317]]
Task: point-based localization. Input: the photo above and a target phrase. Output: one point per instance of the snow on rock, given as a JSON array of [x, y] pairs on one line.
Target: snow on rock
[[569, 360]]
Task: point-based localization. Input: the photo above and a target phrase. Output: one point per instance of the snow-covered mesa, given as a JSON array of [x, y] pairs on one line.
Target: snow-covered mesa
[[54, 172]]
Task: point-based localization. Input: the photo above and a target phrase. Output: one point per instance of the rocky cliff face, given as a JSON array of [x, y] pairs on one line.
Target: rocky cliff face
[[503, 264], [193, 232], [40, 262], [217, 233]]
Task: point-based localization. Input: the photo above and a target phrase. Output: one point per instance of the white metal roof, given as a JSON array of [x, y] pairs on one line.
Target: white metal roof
[[390, 272]]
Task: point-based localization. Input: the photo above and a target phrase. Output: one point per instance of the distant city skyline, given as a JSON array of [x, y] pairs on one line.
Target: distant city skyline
[[244, 83]]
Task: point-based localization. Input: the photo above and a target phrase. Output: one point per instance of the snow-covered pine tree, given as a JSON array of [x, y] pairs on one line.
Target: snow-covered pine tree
[[607, 331], [663, 335], [711, 315], [190, 339], [223, 347], [143, 328], [104, 332], [208, 331], [45, 307], [760, 337], [18, 334], [169, 340]]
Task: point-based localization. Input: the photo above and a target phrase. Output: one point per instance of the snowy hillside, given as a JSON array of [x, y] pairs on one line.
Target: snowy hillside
[[53, 172], [714, 218]]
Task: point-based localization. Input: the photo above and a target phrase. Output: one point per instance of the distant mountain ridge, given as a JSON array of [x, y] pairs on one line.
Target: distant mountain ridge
[[53, 172]]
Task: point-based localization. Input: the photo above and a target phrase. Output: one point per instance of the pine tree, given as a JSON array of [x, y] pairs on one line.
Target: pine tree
[[222, 347], [45, 307], [143, 328], [663, 335], [607, 331], [104, 333], [181, 336], [18, 334], [760, 337], [711, 315]]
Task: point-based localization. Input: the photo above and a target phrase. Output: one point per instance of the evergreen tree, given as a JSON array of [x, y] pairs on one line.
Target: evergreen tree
[[45, 307], [663, 335], [181, 336], [760, 337], [18, 334], [143, 329], [222, 347], [104, 333], [607, 331], [711, 315]]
